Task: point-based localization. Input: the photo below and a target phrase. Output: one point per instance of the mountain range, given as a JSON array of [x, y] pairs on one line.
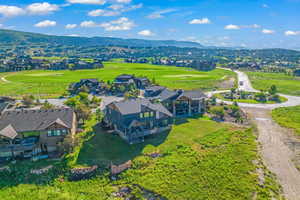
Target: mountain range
[[18, 37]]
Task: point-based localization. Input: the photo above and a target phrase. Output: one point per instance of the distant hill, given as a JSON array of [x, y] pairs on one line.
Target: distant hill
[[18, 37]]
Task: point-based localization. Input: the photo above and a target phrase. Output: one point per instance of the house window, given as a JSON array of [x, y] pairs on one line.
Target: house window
[[141, 115], [52, 133]]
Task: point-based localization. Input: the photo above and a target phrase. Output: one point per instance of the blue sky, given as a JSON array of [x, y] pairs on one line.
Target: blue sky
[[247, 23]]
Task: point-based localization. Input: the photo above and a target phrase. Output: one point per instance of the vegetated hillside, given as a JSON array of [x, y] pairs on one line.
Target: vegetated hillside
[[17, 37]]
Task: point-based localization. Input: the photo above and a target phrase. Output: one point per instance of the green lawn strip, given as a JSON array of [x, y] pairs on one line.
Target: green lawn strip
[[285, 84], [54, 83], [288, 117], [252, 101]]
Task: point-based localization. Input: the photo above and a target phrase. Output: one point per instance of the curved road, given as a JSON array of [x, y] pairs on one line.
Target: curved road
[[274, 140]]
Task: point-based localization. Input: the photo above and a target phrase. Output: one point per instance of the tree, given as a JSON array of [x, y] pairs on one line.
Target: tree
[[72, 102], [218, 112], [99, 115], [83, 112], [273, 90], [261, 97], [47, 106], [28, 100], [84, 98]]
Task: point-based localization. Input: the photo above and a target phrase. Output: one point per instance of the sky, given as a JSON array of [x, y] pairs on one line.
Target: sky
[[228, 23]]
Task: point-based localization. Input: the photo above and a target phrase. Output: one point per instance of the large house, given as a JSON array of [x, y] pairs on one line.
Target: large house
[[27, 133], [127, 79], [93, 85], [179, 102], [136, 118]]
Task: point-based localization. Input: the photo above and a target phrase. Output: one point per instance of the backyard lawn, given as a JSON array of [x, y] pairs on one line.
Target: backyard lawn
[[288, 117], [198, 159], [54, 83], [285, 84]]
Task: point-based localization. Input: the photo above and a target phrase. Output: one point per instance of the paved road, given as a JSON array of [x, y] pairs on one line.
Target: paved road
[[292, 100]]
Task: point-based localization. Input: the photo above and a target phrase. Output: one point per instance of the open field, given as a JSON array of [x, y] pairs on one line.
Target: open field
[[200, 159], [54, 83], [285, 84], [288, 117]]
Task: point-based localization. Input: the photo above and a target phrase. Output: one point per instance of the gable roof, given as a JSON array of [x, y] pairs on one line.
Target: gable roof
[[167, 94], [193, 94], [134, 106], [36, 120]]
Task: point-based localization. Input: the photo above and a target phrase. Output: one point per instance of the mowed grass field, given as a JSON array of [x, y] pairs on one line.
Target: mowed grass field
[[199, 159], [54, 83], [285, 84], [288, 117]]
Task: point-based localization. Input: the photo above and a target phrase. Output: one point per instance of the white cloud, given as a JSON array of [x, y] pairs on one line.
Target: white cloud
[[268, 31], [265, 6], [200, 21], [251, 26], [105, 13], [95, 2], [11, 11], [41, 8], [70, 26], [232, 27], [292, 33], [88, 24], [121, 24], [73, 35], [116, 6], [1, 25], [146, 33], [46, 23], [123, 1], [160, 14]]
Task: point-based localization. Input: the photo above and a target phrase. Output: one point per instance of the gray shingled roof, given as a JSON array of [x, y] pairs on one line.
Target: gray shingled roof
[[134, 106], [193, 94], [36, 120]]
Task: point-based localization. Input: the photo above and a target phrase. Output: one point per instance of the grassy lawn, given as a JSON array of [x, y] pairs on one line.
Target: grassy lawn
[[288, 117], [200, 159], [54, 83], [252, 101], [285, 84]]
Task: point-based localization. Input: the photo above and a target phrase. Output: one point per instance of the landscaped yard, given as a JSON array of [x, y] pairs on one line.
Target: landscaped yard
[[54, 83], [199, 159], [251, 101], [288, 117], [285, 84]]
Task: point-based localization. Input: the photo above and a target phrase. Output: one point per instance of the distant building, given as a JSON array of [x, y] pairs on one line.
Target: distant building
[[135, 119], [127, 79], [27, 133], [297, 72]]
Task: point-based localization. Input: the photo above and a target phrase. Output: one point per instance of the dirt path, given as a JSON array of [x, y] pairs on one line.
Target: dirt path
[[279, 147], [277, 151]]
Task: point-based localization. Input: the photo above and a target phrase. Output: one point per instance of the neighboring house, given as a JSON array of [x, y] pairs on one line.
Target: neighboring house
[[27, 133], [153, 91], [142, 82], [138, 82], [124, 79], [93, 85], [181, 102], [136, 118]]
